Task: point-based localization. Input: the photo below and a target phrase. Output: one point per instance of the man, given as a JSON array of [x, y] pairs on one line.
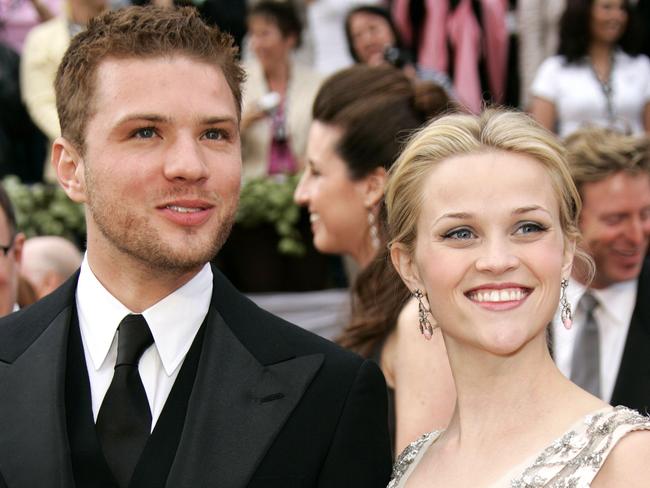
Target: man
[[43, 50], [227, 395], [47, 262], [607, 349], [11, 246]]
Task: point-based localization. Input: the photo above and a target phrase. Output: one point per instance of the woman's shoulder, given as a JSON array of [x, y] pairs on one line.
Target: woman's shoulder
[[410, 457], [577, 457], [626, 462]]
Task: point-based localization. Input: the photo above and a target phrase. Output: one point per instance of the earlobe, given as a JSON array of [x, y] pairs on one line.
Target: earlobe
[[69, 168], [405, 266]]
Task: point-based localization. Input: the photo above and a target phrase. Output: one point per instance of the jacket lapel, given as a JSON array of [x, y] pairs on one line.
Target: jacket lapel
[[237, 407], [33, 444], [632, 386]]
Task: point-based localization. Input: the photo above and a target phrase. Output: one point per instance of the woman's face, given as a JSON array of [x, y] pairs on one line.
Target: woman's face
[[608, 20], [371, 35], [268, 43], [490, 251], [337, 204]]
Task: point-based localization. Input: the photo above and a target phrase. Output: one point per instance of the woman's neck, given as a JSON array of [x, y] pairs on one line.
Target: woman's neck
[[502, 395], [277, 77]]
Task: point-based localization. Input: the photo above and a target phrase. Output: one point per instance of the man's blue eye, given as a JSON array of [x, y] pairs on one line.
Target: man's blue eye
[[145, 133], [214, 135]]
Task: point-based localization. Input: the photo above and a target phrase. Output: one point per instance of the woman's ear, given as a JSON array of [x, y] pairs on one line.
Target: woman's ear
[[373, 186], [567, 259], [69, 168], [405, 265]]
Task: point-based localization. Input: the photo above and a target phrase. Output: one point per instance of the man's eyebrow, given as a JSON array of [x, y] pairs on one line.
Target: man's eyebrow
[[156, 118], [218, 120], [143, 116]]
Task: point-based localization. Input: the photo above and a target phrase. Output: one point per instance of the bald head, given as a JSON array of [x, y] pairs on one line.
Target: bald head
[[48, 261]]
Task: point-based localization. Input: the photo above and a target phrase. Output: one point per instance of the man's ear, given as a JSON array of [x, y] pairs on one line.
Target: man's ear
[[19, 242], [405, 265], [373, 186], [69, 168]]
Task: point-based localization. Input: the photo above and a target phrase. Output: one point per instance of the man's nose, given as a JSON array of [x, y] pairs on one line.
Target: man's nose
[[184, 160], [637, 231]]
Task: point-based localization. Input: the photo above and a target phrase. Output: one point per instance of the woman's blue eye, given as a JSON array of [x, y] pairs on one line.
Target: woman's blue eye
[[530, 227], [459, 234]]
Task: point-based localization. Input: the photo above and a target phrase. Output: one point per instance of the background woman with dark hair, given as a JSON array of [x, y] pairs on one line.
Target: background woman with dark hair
[[597, 76], [278, 92], [374, 39], [361, 116]]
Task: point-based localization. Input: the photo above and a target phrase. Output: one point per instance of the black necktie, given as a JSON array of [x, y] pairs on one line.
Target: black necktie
[[124, 420]]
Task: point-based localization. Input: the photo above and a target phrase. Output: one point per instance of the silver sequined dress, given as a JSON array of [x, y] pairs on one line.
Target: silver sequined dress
[[572, 461]]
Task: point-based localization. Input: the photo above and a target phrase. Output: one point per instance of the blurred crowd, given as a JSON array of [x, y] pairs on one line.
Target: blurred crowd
[[557, 59], [332, 89]]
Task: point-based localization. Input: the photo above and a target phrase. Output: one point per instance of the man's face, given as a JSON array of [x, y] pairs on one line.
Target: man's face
[[160, 175], [9, 266], [615, 225]]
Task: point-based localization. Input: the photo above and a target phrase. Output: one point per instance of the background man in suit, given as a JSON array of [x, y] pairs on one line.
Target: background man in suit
[[11, 246], [147, 368], [607, 349]]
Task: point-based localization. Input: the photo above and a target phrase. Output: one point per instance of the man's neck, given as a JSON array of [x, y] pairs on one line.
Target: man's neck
[[136, 285]]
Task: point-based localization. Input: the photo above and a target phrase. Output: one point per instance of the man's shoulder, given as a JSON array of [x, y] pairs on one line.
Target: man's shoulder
[[257, 327]]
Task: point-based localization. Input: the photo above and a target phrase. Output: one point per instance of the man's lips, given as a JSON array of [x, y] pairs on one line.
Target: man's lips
[[187, 212]]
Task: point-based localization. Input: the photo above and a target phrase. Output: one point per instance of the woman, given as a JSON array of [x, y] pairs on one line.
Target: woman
[[491, 198], [360, 117], [596, 78], [278, 93], [373, 39]]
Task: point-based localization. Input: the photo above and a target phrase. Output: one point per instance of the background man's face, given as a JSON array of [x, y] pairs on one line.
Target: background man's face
[[161, 170], [615, 225], [9, 266]]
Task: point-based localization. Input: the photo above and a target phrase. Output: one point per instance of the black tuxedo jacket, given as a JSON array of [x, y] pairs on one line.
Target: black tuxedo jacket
[[632, 387], [272, 405]]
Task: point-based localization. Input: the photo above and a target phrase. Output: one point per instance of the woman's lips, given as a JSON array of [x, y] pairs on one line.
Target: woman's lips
[[499, 297]]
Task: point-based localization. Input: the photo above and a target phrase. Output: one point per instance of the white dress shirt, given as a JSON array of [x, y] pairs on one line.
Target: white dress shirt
[[174, 322], [613, 314]]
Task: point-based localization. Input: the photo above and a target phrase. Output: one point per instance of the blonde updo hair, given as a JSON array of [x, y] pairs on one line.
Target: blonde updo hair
[[461, 134]]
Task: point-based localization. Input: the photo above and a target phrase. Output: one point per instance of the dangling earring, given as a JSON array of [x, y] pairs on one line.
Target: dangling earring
[[565, 308], [374, 230], [426, 329]]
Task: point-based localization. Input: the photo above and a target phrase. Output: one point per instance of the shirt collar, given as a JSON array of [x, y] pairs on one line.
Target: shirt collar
[[174, 320], [617, 300]]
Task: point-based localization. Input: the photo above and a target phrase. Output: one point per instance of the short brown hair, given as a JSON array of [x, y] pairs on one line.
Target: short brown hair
[[595, 153], [142, 32]]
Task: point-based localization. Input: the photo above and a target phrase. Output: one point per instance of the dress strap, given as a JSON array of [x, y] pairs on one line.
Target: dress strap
[[406, 461]]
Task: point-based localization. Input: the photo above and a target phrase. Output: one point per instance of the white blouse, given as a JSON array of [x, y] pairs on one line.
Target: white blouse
[[579, 98]]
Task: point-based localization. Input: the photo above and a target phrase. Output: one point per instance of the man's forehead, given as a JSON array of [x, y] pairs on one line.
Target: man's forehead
[[137, 81]]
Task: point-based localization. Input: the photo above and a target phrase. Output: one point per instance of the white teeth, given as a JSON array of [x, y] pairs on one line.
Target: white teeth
[[506, 295], [178, 209]]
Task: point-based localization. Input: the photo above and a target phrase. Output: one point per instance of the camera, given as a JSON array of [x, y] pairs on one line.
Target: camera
[[397, 57]]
